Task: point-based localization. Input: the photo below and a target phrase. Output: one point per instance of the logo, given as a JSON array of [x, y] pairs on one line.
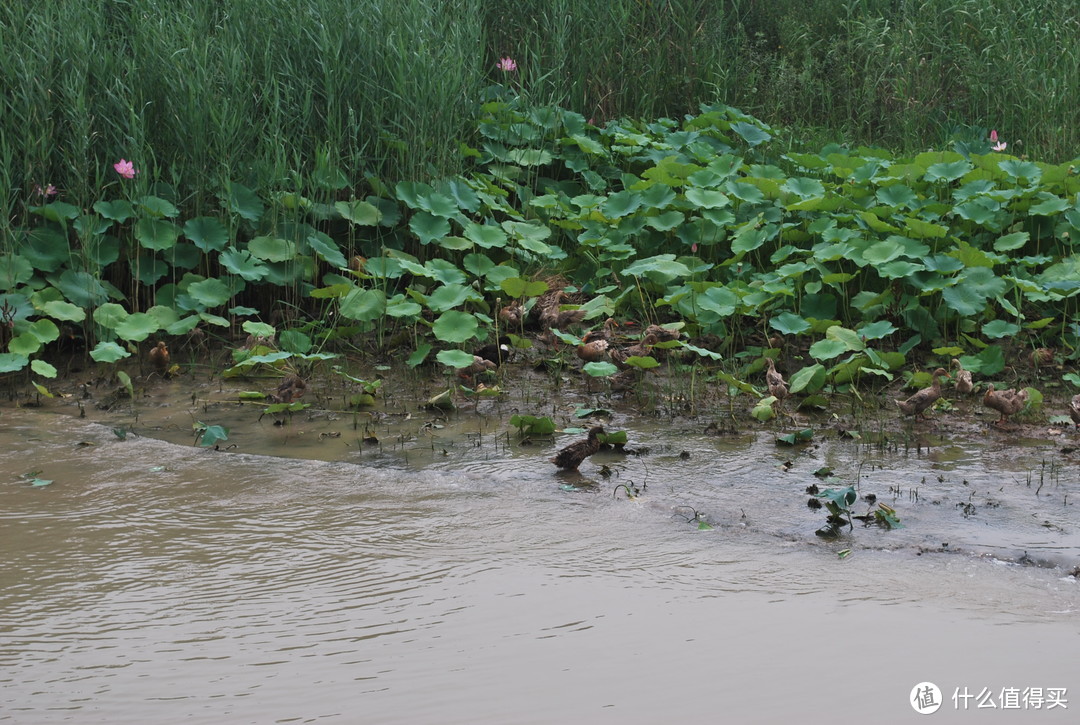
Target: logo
[[925, 698]]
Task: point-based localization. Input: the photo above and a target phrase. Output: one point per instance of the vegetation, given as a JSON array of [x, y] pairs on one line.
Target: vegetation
[[347, 175]]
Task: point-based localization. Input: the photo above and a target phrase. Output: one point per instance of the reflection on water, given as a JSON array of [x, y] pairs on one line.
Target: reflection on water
[[156, 582]]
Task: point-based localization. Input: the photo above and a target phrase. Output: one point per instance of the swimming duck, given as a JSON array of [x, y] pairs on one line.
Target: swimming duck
[[777, 386], [1005, 402], [964, 384], [923, 399], [1074, 410], [159, 357], [570, 457], [290, 388]]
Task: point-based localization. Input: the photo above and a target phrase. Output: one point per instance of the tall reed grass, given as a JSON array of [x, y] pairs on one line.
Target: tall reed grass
[[197, 92]]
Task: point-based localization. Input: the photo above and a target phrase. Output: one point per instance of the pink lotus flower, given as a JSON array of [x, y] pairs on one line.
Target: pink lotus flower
[[506, 64], [998, 146], [125, 169], [49, 191]]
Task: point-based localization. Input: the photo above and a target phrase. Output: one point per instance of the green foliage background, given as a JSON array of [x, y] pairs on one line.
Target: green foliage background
[[201, 91]]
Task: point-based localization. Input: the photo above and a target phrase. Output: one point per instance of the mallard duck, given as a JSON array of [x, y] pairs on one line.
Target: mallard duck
[[918, 403], [1005, 402], [1074, 410], [964, 384], [775, 381], [290, 388], [570, 457], [159, 357]]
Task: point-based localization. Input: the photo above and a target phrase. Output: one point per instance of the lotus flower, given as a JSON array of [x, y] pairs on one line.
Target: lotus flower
[[998, 146], [125, 169], [506, 64]]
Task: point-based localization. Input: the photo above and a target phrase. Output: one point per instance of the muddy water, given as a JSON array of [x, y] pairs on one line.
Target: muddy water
[[441, 572]]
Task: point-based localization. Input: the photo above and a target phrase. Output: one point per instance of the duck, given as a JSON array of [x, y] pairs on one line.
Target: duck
[[479, 365], [777, 385], [1041, 356], [1074, 410], [497, 352], [570, 457], [290, 388], [662, 334], [642, 348], [593, 348], [551, 315], [918, 403], [159, 357], [512, 314], [964, 384], [1005, 402]]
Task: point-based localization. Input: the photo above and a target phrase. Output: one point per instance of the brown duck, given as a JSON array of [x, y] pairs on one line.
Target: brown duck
[[662, 334], [1074, 410], [550, 314], [291, 388], [159, 357], [777, 386], [570, 458], [964, 383], [640, 349], [593, 348], [923, 399], [1005, 402]]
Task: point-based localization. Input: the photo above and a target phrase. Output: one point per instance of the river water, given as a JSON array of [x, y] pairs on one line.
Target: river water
[[448, 574]]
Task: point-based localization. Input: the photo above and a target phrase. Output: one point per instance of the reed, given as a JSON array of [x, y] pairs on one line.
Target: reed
[[267, 92]]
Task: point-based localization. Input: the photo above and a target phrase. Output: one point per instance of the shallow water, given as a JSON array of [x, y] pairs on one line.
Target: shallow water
[[447, 574]]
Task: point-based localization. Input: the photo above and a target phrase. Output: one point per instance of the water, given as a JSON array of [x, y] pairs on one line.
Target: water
[[454, 577]]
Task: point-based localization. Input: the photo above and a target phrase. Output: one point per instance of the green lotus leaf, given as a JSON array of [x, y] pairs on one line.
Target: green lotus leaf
[[997, 329], [210, 292], [25, 344], [156, 234], [206, 233], [295, 341], [428, 227], [455, 358], [437, 204], [12, 362], [137, 327], [948, 171], [57, 211], [14, 271], [242, 263], [462, 194], [803, 187], [486, 236], [272, 249], [444, 271], [763, 409], [666, 222], [258, 329], [384, 268], [46, 248], [600, 369], [399, 306], [477, 264], [158, 207], [82, 288], [457, 244], [876, 330], [744, 191], [621, 204], [243, 201], [448, 296], [1049, 205], [707, 198], [44, 330], [455, 326], [518, 287], [118, 211], [751, 134], [810, 379], [60, 310], [364, 305], [787, 323], [658, 196], [109, 315], [1021, 170], [43, 369], [150, 269], [1012, 241], [359, 212], [642, 362], [750, 236], [419, 355], [409, 192]]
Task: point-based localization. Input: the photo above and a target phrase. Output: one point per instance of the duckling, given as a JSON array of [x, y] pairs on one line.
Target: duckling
[[777, 386], [570, 457], [291, 388], [1005, 402], [159, 358], [964, 384], [918, 403], [1074, 410]]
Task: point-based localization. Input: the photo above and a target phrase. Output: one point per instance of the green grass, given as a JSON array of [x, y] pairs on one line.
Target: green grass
[[263, 91]]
